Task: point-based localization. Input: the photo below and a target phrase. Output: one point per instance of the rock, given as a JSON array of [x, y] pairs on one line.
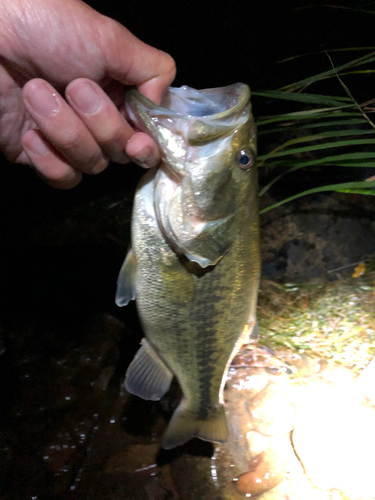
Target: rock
[[334, 435], [266, 470], [270, 411]]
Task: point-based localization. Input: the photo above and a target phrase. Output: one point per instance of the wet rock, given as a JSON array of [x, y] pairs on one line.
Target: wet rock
[[140, 458], [334, 435], [193, 478], [257, 442], [266, 470], [271, 412]]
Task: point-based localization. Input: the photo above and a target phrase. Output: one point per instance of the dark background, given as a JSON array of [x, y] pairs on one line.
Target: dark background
[[217, 43]]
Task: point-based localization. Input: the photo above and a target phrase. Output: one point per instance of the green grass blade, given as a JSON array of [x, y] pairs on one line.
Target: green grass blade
[[307, 115], [363, 164], [350, 95], [358, 72], [365, 185], [335, 159], [343, 160], [318, 147], [337, 111], [370, 192], [366, 59], [306, 98], [325, 135], [322, 124]]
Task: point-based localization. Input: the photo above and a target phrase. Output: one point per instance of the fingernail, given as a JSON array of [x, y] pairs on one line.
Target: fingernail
[[37, 146], [85, 97], [43, 99], [146, 158]]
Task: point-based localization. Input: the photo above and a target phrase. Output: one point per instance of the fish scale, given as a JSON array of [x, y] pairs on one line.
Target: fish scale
[[194, 264]]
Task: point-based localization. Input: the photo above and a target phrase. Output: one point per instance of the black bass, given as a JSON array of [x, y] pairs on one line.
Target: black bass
[[194, 264]]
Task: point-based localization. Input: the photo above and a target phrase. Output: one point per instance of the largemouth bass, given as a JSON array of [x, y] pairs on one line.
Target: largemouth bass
[[194, 264]]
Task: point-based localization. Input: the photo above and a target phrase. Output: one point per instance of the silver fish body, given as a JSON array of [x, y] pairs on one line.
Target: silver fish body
[[195, 261]]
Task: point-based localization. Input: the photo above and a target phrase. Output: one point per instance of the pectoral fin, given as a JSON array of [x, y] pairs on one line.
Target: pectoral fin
[[126, 280], [147, 375]]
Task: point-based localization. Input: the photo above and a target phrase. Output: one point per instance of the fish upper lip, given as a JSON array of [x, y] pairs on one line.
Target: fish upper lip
[[243, 98]]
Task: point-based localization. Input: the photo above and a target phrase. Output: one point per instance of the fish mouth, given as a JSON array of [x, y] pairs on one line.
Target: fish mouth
[[208, 114], [214, 104]]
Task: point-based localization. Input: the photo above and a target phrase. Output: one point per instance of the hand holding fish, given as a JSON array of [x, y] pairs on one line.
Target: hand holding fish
[[50, 47]]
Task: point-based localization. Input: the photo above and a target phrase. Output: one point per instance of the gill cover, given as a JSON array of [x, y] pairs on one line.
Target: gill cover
[[195, 191]]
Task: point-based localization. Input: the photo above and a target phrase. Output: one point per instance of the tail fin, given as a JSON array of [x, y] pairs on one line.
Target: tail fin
[[185, 425]]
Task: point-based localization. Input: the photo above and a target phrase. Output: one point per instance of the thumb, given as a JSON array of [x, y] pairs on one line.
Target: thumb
[[133, 62]]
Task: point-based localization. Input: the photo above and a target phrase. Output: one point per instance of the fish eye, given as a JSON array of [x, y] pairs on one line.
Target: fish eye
[[245, 159]]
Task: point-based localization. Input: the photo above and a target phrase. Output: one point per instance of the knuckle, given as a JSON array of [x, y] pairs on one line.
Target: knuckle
[[70, 140], [85, 156], [171, 67], [59, 175], [109, 139], [67, 182], [121, 158], [167, 67], [98, 165], [113, 144], [112, 130]]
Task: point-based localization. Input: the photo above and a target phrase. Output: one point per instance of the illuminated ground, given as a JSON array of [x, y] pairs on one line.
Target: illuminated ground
[[334, 320]]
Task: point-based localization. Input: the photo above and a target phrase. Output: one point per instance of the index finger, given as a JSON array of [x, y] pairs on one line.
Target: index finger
[[139, 64]]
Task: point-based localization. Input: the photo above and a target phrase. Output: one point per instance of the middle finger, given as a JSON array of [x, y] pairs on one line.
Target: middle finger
[[101, 117], [61, 126]]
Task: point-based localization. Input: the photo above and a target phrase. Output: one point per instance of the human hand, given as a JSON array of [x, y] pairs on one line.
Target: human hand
[[52, 46]]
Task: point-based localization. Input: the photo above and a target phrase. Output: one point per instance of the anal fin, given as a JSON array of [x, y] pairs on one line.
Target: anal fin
[[126, 280], [147, 375]]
